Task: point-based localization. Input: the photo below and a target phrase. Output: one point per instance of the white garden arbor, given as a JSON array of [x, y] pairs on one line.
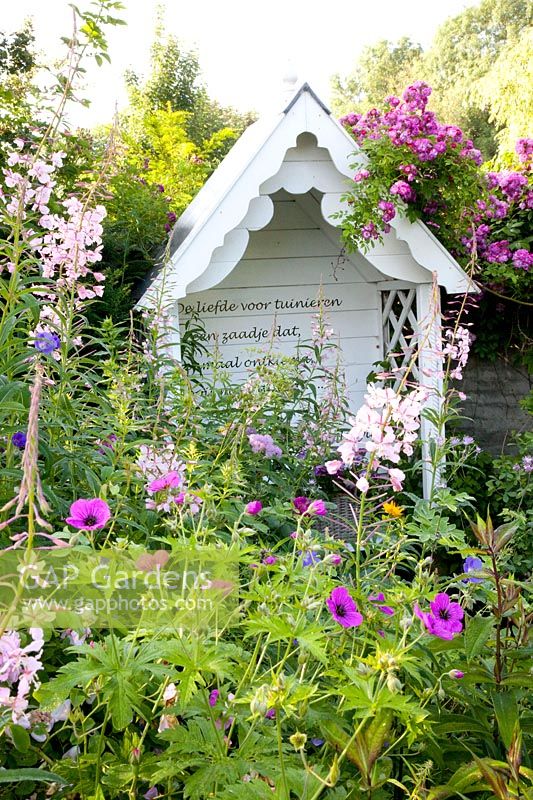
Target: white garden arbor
[[258, 243]]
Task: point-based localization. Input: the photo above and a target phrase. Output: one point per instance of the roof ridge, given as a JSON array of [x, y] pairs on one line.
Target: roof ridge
[[305, 87]]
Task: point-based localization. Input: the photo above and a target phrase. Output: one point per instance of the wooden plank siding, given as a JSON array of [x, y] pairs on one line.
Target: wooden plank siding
[[276, 287]]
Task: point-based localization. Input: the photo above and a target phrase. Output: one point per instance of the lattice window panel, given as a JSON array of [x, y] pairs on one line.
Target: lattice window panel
[[399, 329]]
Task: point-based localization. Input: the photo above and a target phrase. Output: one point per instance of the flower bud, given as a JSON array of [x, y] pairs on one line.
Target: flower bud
[[394, 685], [334, 772], [259, 703], [456, 673]]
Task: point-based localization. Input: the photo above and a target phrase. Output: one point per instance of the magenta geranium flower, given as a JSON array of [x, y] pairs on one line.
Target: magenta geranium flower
[[304, 505], [168, 481], [213, 697], [301, 504], [380, 598], [254, 507], [89, 515], [445, 619], [343, 608]]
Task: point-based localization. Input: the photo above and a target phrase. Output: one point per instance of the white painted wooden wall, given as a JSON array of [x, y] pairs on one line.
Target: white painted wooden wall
[[285, 264]]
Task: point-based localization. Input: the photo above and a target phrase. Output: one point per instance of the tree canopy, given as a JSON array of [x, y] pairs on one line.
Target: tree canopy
[[477, 65]]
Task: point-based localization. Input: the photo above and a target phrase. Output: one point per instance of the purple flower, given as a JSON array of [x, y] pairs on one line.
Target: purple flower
[[472, 564], [456, 674], [522, 259], [524, 149], [152, 793], [343, 608], [304, 505], [310, 558], [269, 560], [264, 443], [254, 507], [444, 619], [527, 463], [369, 231], [512, 183], [271, 713], [409, 170], [362, 175], [89, 515], [19, 440], [317, 742], [108, 443], [46, 342], [213, 697], [498, 252], [379, 598], [387, 209], [403, 190]]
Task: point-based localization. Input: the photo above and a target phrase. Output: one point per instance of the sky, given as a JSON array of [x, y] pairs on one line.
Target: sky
[[245, 48]]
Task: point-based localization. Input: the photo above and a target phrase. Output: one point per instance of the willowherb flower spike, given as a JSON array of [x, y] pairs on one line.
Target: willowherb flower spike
[[30, 490]]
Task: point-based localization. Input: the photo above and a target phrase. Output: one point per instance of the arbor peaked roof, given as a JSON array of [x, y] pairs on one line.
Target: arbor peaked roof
[[222, 205]]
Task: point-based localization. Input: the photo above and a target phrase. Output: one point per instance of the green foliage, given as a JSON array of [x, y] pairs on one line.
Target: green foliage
[[275, 697], [165, 157], [510, 496], [380, 71], [174, 79], [17, 55], [505, 91]]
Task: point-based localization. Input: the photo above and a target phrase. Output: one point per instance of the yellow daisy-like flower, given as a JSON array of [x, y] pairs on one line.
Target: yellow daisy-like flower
[[392, 509]]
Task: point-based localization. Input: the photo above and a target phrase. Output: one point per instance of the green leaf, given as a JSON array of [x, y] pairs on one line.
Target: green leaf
[[477, 633], [506, 710], [120, 704], [29, 774], [21, 738]]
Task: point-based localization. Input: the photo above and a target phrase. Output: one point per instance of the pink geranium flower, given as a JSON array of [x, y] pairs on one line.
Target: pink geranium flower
[[253, 507], [343, 608], [89, 515]]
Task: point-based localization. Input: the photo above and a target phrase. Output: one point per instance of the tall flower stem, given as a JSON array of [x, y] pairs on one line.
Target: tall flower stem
[[359, 541], [498, 661], [281, 759]]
